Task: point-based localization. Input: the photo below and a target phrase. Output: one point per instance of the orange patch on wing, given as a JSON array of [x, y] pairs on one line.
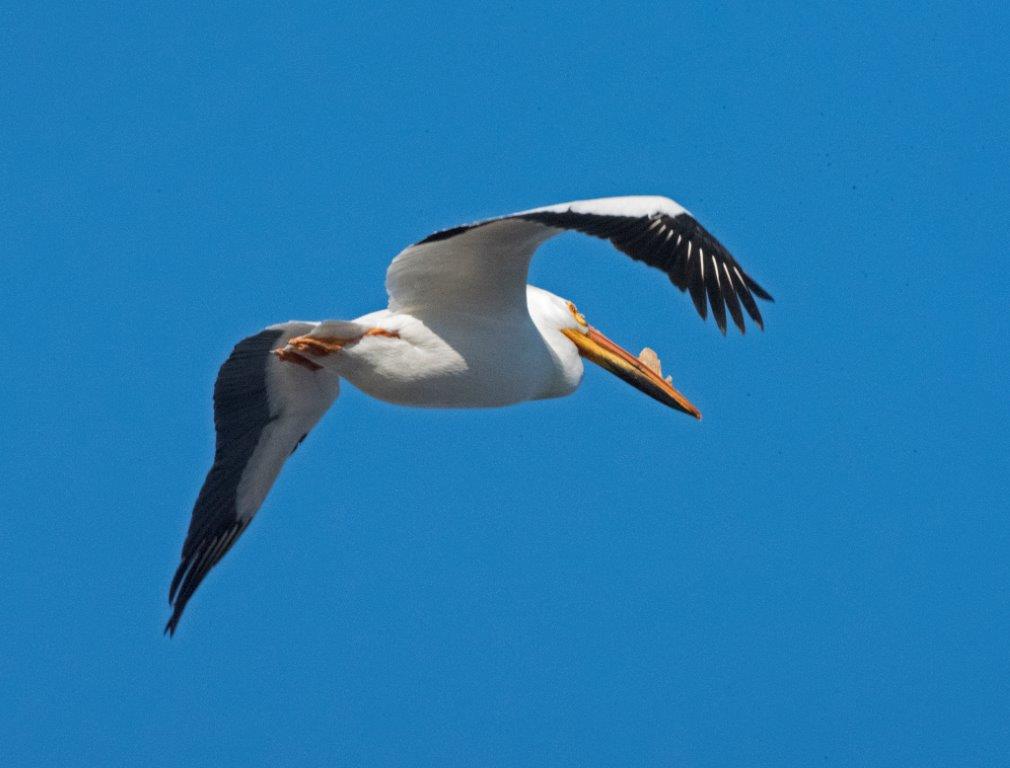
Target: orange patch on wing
[[323, 345], [288, 356], [382, 332]]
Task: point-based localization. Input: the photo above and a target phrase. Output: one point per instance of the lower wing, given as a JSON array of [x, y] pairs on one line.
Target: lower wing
[[263, 409]]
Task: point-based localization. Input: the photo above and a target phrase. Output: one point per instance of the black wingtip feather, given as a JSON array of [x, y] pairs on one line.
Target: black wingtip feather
[[195, 567], [756, 289], [732, 303], [665, 246], [172, 624], [697, 288], [744, 294], [715, 295]]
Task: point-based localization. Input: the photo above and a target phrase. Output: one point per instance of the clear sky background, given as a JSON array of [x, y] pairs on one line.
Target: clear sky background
[[816, 574]]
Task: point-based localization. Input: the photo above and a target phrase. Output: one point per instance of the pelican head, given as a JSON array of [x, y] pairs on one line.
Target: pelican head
[[552, 313]]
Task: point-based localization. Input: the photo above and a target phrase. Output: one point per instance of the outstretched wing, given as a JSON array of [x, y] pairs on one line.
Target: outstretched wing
[[482, 267], [263, 408]]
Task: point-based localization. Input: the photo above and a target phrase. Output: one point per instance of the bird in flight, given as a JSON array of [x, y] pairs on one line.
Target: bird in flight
[[462, 330]]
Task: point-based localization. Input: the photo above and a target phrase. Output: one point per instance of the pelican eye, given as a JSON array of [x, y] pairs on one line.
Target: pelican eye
[[579, 317]]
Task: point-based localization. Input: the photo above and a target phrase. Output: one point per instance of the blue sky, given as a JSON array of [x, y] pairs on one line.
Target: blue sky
[[816, 574]]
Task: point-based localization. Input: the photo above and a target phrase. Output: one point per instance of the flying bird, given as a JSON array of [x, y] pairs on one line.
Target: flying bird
[[462, 330]]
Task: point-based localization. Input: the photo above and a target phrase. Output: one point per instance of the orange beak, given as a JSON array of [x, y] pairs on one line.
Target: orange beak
[[596, 347]]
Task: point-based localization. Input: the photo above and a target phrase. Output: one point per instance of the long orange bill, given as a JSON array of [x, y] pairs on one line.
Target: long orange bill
[[596, 347]]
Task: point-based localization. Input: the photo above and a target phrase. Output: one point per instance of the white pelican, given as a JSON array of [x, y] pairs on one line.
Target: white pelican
[[462, 330]]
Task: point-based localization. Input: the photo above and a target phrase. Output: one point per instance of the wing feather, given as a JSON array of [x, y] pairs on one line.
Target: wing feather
[[482, 267], [263, 408], [732, 303], [714, 286]]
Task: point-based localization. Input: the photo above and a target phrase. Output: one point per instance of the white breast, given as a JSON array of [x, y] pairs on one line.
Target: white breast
[[458, 361]]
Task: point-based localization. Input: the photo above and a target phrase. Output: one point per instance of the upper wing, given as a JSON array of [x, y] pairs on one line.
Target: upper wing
[[482, 267], [263, 408]]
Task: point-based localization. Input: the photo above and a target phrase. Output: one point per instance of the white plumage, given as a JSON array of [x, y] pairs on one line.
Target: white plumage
[[462, 329]]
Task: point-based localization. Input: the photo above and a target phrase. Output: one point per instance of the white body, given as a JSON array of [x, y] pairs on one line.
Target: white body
[[461, 359], [472, 333]]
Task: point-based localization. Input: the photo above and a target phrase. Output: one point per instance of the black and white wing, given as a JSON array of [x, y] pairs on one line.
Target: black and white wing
[[263, 408], [482, 267]]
